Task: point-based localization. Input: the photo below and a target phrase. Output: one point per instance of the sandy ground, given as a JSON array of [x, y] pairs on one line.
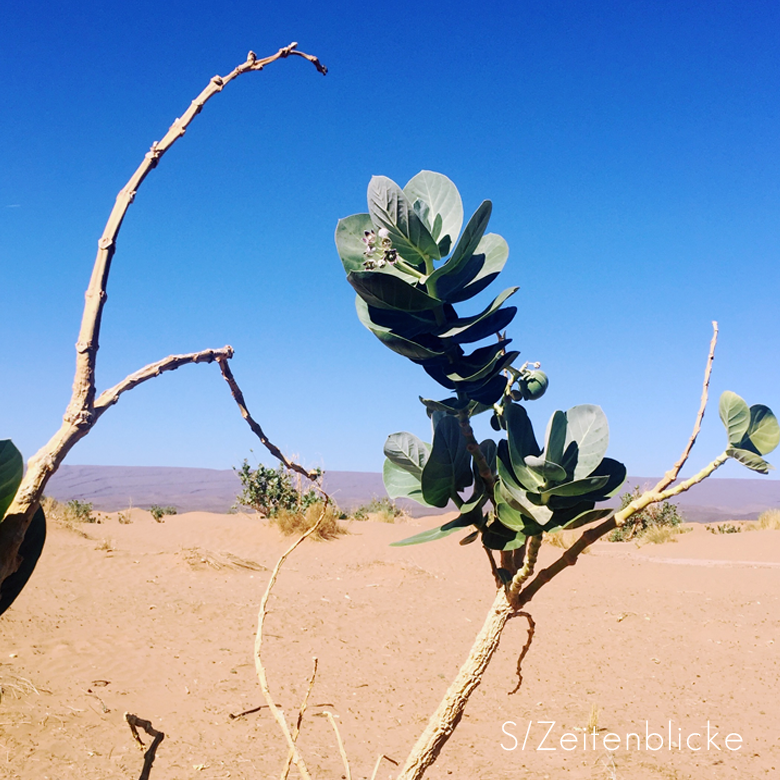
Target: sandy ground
[[136, 619]]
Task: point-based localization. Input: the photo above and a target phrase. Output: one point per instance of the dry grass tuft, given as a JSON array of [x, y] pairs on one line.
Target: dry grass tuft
[[593, 719], [200, 559], [295, 523], [18, 687], [660, 534], [768, 520], [107, 545], [60, 514]]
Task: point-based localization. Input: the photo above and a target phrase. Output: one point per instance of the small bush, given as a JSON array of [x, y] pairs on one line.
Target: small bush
[[664, 515], [270, 491], [159, 511], [724, 528], [80, 511], [382, 509], [660, 534], [294, 523]]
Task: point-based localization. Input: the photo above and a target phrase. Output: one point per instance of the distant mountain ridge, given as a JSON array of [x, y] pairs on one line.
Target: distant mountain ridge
[[111, 488]]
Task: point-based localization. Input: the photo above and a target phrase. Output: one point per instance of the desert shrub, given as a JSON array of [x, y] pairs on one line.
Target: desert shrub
[[656, 516], [270, 491], [660, 534], [80, 511], [724, 528], [159, 511], [294, 522], [768, 520], [383, 509]]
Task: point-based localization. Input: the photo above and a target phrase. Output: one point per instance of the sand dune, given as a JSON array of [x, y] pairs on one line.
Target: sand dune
[[159, 620]]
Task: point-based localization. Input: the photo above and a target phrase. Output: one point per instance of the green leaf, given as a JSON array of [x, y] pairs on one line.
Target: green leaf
[[388, 291], [578, 487], [481, 364], [403, 346], [510, 517], [29, 552], [443, 200], [750, 459], [763, 431], [11, 472], [587, 426], [349, 240], [555, 438], [391, 209], [399, 483], [477, 272], [448, 469], [457, 329], [517, 497], [467, 244], [407, 451], [735, 415], [498, 537], [435, 533]]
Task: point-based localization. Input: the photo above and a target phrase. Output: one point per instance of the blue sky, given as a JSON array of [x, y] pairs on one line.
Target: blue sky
[[629, 148]]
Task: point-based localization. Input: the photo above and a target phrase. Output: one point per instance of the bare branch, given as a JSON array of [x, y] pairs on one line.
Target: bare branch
[[260, 669], [80, 407], [171, 363], [134, 722], [672, 475], [235, 391]]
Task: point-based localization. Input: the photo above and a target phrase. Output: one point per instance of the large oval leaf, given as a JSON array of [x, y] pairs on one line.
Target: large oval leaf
[[448, 469], [587, 426], [579, 487], [390, 208], [467, 245], [388, 291], [555, 439], [11, 472], [443, 200], [399, 483], [29, 551], [477, 272], [735, 415], [407, 451], [750, 459], [763, 431], [350, 232]]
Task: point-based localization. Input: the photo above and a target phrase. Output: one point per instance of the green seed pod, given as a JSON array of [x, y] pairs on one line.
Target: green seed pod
[[533, 385]]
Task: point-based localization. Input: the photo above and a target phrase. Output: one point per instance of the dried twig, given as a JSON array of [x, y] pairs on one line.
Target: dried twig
[[235, 391], [134, 722], [345, 760], [378, 762], [299, 722], [674, 472], [524, 651], [260, 669]]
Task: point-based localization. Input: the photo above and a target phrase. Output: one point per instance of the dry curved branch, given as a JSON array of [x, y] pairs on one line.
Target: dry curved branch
[[83, 410], [109, 397], [235, 391]]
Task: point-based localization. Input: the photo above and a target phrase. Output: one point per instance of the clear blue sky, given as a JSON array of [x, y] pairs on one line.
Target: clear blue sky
[[630, 150]]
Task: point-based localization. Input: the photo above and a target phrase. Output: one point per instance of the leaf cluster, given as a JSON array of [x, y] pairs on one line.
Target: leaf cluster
[[270, 491], [409, 266]]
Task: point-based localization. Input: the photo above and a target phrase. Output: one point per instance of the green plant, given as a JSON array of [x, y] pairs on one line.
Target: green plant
[[158, 512], [724, 528], [383, 509], [663, 515], [409, 268], [80, 511], [270, 491]]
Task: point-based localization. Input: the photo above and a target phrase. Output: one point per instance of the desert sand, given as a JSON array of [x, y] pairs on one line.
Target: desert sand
[[159, 620]]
